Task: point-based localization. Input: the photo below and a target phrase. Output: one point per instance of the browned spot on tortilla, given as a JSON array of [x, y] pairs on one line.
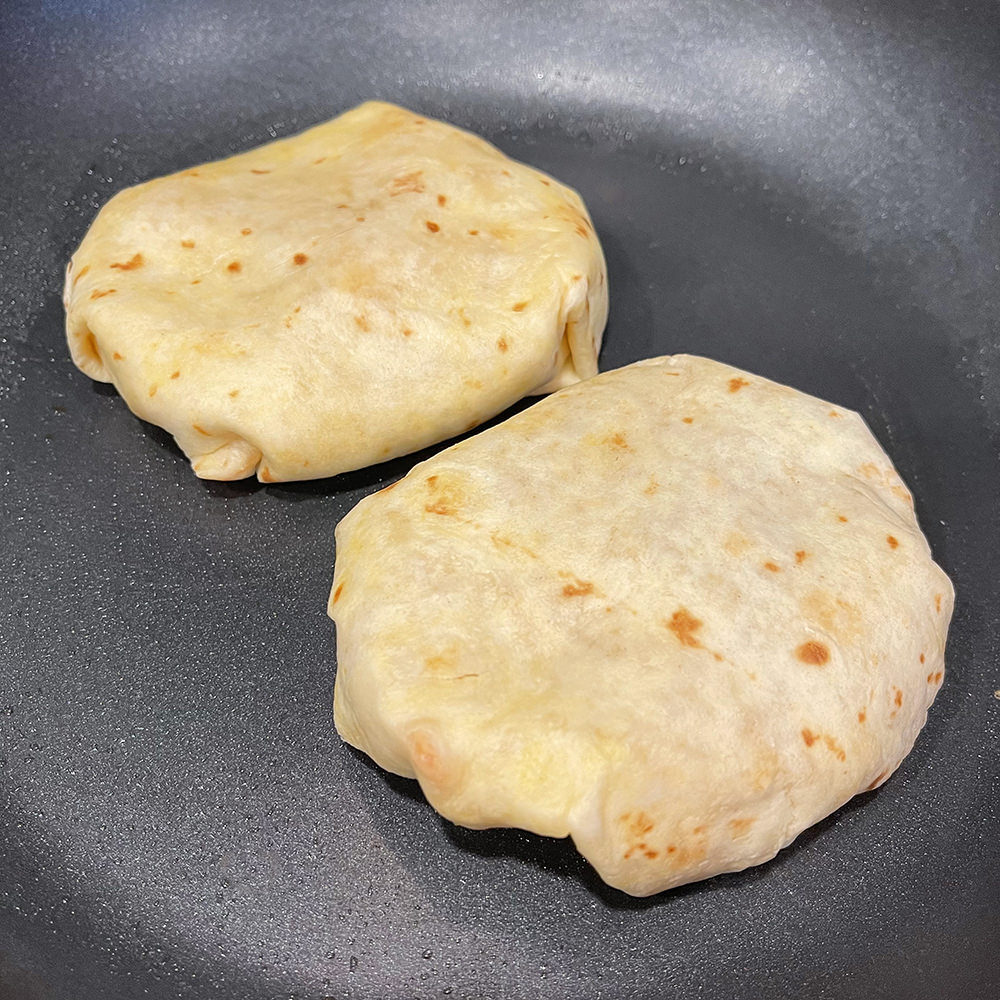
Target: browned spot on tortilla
[[337, 592], [432, 480], [264, 475], [175, 374], [245, 232], [116, 355], [444, 660], [233, 393], [772, 567], [545, 182], [518, 306], [297, 309], [509, 543], [439, 507], [651, 487], [893, 542], [840, 517], [197, 281], [832, 614], [835, 748], [813, 652], [698, 830], [640, 825], [741, 826], [407, 332], [259, 171], [191, 173], [506, 173], [878, 781], [98, 294], [90, 344], [187, 244], [580, 231], [834, 413], [579, 588], [737, 383], [686, 854], [502, 344], [937, 597], [441, 199], [684, 625], [472, 383], [898, 699], [201, 430], [234, 266], [152, 391], [902, 493], [131, 264], [862, 715], [921, 657], [320, 160], [362, 323], [426, 759], [473, 232], [938, 676], [79, 274], [736, 543], [360, 218], [687, 420], [618, 441], [809, 737], [800, 555], [652, 854], [299, 258], [432, 226]]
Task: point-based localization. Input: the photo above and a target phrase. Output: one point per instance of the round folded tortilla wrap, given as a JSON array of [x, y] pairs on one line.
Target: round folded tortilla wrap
[[677, 612], [369, 287]]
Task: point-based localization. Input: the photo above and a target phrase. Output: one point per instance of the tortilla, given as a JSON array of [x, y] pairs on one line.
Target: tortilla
[[374, 285], [677, 612]]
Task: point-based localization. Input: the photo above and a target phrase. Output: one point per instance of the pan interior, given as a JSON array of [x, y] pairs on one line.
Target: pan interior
[[806, 192]]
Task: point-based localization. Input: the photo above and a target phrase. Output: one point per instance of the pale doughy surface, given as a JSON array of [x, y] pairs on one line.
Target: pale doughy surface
[[677, 612], [374, 285]]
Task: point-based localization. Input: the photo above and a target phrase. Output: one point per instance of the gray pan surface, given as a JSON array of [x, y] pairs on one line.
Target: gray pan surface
[[808, 190]]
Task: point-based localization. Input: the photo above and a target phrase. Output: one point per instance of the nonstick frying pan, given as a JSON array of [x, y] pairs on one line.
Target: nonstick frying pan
[[807, 190]]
